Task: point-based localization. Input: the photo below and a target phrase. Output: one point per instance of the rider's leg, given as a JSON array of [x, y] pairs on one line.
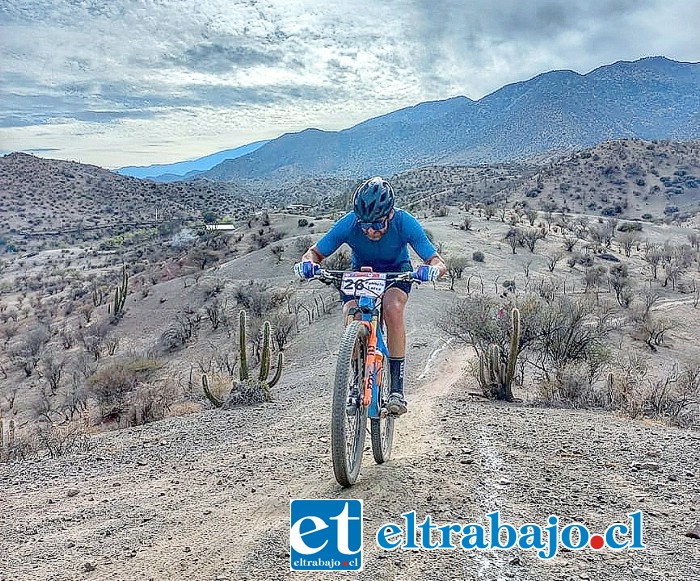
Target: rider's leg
[[393, 307]]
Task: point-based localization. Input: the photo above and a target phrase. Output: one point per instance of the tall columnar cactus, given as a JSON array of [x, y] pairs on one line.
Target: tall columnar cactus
[[495, 377], [10, 435], [120, 291], [249, 391], [243, 371], [98, 296], [265, 361]]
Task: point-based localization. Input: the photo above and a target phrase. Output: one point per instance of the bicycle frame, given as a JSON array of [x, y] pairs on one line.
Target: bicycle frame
[[377, 353]]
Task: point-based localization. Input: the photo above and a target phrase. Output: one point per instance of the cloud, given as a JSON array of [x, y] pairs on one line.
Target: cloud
[[218, 58], [234, 71]]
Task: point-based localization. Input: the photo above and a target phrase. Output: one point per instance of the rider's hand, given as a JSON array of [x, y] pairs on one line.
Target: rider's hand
[[306, 270], [427, 273]]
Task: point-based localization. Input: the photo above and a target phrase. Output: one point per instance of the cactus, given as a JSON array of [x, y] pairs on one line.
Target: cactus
[[120, 291], [249, 391], [495, 377], [210, 396], [611, 387], [10, 437], [243, 373], [98, 296]]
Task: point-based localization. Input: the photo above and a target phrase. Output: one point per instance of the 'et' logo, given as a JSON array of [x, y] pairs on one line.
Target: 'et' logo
[[325, 535]]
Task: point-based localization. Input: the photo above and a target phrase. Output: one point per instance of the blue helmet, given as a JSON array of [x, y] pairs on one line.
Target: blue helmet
[[373, 199]]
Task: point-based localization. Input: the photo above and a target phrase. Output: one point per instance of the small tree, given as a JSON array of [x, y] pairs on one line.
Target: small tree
[[570, 243], [51, 368], [627, 241], [619, 281], [653, 255], [553, 259], [514, 236], [531, 236], [455, 268]]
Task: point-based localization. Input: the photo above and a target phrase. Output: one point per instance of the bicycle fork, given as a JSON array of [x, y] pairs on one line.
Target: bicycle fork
[[373, 371]]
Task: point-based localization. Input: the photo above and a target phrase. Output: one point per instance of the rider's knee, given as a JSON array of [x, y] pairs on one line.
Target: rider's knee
[[393, 312]]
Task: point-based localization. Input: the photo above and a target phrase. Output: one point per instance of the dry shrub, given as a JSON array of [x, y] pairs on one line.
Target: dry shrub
[[220, 384], [184, 408], [674, 397], [573, 386], [112, 385], [16, 443], [259, 299], [339, 260], [60, 440], [150, 402]]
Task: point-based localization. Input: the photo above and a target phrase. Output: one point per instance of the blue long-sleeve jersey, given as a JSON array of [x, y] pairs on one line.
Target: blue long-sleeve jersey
[[388, 253]]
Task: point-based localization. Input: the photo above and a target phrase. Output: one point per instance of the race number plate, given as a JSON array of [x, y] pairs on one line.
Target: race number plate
[[363, 284]]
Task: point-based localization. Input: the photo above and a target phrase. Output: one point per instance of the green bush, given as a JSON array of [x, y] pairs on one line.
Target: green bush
[[478, 256]]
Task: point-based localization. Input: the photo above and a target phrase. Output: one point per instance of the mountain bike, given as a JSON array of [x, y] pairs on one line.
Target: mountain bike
[[361, 387]]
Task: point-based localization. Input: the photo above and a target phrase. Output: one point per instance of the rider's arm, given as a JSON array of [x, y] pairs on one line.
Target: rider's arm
[[313, 255], [331, 240], [419, 241], [436, 260]]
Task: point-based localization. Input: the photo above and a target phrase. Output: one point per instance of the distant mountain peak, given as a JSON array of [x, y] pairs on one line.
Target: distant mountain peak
[[182, 169]]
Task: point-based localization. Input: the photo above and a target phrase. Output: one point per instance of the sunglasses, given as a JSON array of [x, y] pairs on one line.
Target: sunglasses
[[376, 226]]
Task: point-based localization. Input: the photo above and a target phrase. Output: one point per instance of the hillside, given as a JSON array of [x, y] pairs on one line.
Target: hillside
[[651, 99], [204, 494], [630, 178], [46, 202], [624, 178]]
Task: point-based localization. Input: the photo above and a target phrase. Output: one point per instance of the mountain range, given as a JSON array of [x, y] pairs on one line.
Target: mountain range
[[187, 169], [651, 98]]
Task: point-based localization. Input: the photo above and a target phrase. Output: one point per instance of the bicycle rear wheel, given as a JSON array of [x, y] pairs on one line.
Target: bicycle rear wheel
[[382, 428], [348, 415]]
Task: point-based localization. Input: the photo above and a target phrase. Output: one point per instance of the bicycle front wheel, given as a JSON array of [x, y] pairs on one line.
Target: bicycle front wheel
[[382, 428], [348, 415]]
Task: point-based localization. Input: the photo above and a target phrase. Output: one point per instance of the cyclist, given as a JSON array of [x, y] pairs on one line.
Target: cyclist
[[379, 235]]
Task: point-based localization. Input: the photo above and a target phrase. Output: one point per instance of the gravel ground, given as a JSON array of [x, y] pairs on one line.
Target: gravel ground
[[206, 496]]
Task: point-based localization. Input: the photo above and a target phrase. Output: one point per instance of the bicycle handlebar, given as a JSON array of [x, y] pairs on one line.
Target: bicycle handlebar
[[330, 276]]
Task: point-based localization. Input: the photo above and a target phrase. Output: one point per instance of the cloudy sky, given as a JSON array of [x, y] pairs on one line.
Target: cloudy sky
[[135, 82]]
